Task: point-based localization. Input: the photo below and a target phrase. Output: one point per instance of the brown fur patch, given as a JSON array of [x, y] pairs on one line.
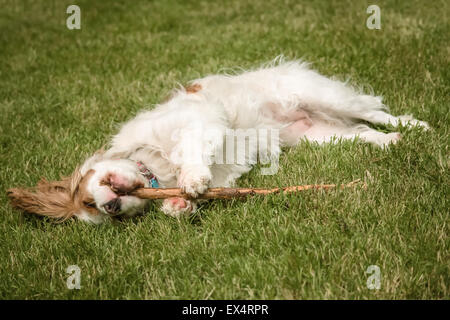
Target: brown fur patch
[[193, 88], [56, 199], [83, 199]]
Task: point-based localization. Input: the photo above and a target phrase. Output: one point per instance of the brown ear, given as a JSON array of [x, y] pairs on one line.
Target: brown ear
[[54, 199]]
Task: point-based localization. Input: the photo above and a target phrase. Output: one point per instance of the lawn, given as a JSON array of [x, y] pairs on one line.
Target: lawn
[[63, 93]]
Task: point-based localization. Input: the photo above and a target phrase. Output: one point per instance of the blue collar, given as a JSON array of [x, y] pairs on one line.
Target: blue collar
[[147, 174]]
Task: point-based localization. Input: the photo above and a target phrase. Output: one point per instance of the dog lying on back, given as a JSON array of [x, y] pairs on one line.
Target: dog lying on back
[[174, 145]]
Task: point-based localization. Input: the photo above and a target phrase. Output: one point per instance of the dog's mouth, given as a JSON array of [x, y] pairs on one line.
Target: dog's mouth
[[114, 206], [112, 181], [121, 189]]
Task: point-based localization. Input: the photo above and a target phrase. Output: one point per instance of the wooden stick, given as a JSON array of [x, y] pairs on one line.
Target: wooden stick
[[229, 193]]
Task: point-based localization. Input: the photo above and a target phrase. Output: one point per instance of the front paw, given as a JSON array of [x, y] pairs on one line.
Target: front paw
[[177, 207], [194, 180]]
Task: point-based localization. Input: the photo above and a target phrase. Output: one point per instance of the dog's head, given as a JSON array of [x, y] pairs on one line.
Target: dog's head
[[96, 192]]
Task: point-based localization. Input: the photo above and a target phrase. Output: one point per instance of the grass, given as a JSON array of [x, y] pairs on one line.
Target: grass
[[63, 93]]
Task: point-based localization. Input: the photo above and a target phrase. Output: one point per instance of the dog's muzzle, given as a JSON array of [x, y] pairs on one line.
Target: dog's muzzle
[[113, 206]]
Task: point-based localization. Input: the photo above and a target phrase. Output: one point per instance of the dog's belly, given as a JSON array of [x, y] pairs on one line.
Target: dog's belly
[[247, 105]]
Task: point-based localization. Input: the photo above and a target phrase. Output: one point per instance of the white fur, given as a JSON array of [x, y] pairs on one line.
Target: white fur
[[178, 139]]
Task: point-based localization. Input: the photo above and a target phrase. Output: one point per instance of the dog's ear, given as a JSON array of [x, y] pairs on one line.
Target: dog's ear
[[54, 199]]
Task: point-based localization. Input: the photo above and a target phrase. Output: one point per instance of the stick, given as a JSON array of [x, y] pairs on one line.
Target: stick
[[229, 193]]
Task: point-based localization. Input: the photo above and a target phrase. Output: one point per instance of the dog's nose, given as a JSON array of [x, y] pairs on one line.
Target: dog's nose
[[113, 206]]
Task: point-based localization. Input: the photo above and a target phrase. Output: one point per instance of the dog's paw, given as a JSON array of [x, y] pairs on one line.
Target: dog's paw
[[177, 207], [391, 138], [194, 180], [409, 121]]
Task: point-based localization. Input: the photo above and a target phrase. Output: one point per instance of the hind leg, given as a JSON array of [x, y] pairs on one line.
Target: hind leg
[[381, 117], [370, 108], [299, 85], [378, 138], [303, 127], [322, 132]]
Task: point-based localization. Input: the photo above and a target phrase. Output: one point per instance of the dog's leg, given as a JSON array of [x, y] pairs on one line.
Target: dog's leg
[[193, 155], [194, 179], [381, 117], [323, 132], [371, 109], [379, 138], [337, 100]]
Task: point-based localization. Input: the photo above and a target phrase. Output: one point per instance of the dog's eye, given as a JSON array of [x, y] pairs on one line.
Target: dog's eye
[[90, 204]]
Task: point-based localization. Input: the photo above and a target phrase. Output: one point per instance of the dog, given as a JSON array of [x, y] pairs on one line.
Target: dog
[[174, 144]]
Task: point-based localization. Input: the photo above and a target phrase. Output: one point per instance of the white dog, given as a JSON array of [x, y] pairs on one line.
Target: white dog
[[174, 145]]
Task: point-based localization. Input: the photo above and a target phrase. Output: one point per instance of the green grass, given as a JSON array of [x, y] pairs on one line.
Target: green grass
[[63, 93]]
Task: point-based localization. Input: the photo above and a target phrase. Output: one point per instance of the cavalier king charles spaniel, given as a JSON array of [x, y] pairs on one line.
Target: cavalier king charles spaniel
[[176, 143]]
